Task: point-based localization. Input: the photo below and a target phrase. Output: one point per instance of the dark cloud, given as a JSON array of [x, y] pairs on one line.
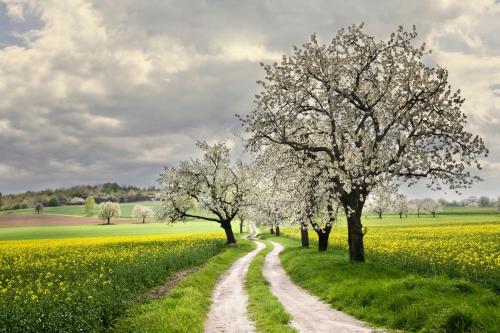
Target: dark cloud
[[113, 91]]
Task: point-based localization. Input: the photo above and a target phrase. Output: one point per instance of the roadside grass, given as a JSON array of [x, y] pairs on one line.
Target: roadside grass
[[185, 307], [392, 297], [264, 308]]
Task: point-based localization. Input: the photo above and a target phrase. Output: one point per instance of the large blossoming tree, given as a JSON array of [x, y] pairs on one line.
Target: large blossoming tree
[[212, 184], [370, 110]]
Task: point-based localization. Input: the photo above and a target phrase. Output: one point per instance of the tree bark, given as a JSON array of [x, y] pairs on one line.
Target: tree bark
[[323, 235], [109, 220], [229, 232], [304, 236], [143, 220], [272, 231], [241, 226], [379, 215], [400, 215], [277, 230], [355, 237]]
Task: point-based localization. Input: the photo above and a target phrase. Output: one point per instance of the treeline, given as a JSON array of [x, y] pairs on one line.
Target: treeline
[[76, 195], [472, 201]]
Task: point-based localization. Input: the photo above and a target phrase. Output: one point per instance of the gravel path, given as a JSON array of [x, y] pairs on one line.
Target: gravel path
[[309, 314], [228, 313]]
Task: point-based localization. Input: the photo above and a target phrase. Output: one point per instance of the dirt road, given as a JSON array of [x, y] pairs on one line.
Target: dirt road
[[228, 313], [37, 220], [309, 314]]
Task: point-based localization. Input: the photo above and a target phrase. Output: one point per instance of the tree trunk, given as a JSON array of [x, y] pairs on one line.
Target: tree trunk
[[143, 220], [272, 231], [400, 215], [355, 236], [304, 236], [109, 220], [433, 214], [277, 230], [323, 235], [241, 226], [229, 232]]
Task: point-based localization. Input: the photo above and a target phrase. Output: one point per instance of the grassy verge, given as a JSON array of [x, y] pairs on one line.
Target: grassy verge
[[264, 308], [392, 297], [184, 308]]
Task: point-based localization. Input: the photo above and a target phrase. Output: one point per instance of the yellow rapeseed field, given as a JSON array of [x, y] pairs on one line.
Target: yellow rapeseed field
[[84, 283], [471, 251]]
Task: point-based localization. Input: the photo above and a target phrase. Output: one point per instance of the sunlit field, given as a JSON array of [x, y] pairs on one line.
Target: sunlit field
[[95, 230], [84, 284], [460, 245]]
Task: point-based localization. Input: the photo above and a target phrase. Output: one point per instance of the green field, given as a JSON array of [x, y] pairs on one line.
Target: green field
[[422, 274], [132, 229], [79, 210]]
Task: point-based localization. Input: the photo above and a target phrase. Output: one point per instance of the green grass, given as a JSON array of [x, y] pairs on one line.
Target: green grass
[[392, 297], [184, 308], [133, 229], [84, 285], [79, 210], [264, 308]]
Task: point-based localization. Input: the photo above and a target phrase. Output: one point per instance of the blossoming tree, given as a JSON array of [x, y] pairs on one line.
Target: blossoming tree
[[211, 183], [142, 212], [370, 110], [108, 210]]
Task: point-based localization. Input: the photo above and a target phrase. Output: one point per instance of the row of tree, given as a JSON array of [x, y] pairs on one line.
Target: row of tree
[[77, 195], [331, 123]]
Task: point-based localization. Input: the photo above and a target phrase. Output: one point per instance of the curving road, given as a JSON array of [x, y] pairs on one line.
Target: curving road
[[308, 312], [228, 313]]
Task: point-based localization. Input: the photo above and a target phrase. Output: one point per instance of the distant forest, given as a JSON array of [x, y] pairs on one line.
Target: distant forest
[[76, 195]]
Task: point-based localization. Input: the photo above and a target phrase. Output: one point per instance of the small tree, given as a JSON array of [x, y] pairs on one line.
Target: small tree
[[142, 212], [401, 205], [53, 201], [381, 199], [38, 208], [432, 206], [89, 205], [211, 183], [484, 201], [417, 205], [108, 209]]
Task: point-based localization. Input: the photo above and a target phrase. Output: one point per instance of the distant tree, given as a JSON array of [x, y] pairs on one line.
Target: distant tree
[[52, 201], [401, 205], [381, 199], [108, 210], [142, 212], [498, 204], [212, 183], [432, 206], [483, 201], [417, 205], [89, 205], [38, 208]]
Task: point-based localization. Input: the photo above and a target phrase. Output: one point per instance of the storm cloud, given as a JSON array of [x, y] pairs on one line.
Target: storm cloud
[[94, 91]]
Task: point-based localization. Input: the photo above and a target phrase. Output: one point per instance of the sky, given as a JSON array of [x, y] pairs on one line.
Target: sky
[[112, 91]]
